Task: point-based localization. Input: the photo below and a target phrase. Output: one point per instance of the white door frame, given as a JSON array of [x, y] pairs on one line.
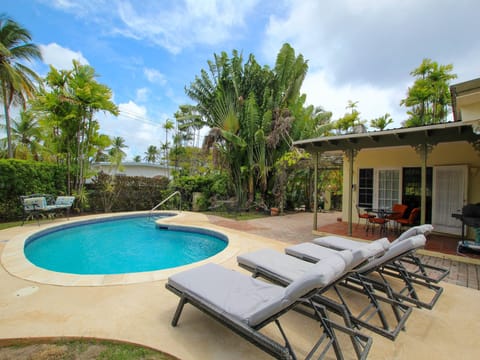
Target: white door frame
[[447, 199], [376, 186]]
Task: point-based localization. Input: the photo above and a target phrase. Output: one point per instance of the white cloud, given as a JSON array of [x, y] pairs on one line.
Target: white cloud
[[60, 57], [181, 24], [142, 95], [134, 125], [365, 50], [373, 102], [154, 76]]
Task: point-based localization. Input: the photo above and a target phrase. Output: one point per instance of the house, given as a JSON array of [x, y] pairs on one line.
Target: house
[[134, 169], [433, 167]]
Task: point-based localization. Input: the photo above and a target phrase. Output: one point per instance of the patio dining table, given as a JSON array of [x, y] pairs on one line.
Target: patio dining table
[[381, 214]]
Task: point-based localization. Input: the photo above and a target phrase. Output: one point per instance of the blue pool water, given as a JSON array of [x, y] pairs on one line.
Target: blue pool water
[[119, 246]]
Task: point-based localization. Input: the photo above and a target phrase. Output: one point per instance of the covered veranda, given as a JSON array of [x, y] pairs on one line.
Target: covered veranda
[[422, 139]]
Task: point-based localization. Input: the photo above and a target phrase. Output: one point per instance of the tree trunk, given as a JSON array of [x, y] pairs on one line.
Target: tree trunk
[[8, 126]]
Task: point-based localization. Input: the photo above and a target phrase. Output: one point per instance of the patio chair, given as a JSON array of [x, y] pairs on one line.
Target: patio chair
[[247, 305], [64, 203], [412, 263], [380, 221], [398, 211], [363, 215], [389, 264], [34, 207], [411, 220], [282, 269]]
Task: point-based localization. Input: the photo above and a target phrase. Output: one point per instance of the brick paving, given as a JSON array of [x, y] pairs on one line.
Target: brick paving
[[297, 228]]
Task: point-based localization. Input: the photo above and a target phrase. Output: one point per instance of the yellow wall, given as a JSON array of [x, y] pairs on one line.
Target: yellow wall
[[455, 153], [470, 112]]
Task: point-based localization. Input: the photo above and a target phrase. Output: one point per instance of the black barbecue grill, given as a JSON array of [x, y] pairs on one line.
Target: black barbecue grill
[[470, 216]]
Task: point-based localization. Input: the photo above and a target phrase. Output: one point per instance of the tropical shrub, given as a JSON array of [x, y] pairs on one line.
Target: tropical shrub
[[212, 186], [126, 193], [23, 177]]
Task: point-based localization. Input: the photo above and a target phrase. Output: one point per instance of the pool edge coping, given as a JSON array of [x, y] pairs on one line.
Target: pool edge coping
[[16, 264]]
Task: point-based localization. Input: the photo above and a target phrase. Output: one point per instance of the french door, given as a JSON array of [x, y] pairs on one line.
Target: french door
[[449, 196], [388, 188]]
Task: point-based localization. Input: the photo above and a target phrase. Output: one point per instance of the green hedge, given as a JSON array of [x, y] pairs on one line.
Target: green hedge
[[23, 177], [126, 193], [212, 185], [104, 194]]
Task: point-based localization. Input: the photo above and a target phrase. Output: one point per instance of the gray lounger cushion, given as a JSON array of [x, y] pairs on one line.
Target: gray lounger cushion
[[320, 275], [310, 251], [247, 299], [315, 252], [290, 268], [286, 267], [230, 292], [341, 243], [416, 230], [395, 250]]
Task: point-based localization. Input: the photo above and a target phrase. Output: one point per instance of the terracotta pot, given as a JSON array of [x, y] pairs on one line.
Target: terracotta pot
[[274, 211]]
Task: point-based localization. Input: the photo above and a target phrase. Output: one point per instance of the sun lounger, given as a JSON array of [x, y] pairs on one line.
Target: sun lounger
[[392, 259], [282, 269], [247, 305], [411, 263]]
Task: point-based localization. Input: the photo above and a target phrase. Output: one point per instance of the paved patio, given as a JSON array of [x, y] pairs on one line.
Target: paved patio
[[296, 228], [141, 312]]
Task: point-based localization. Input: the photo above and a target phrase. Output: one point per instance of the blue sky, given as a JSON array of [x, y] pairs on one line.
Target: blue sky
[[148, 51]]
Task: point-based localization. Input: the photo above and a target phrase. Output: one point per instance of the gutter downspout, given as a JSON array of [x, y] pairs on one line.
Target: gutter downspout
[[423, 201], [350, 155], [315, 191]]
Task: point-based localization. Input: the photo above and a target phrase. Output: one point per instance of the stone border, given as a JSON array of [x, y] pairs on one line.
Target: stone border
[[14, 260]]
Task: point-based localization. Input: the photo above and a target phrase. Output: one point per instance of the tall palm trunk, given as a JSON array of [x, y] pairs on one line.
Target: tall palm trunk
[[8, 125]]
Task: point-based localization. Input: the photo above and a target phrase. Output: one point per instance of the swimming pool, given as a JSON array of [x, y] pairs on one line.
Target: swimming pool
[[128, 244]]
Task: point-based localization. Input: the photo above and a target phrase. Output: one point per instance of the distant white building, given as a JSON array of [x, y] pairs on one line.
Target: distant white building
[[134, 169]]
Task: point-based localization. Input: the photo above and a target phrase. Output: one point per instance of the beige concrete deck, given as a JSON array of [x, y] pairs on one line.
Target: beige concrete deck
[[141, 313]]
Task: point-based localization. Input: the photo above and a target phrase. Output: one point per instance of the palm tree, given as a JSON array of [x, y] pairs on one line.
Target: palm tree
[[68, 105], [118, 143], [169, 125], [189, 123], [16, 79], [381, 122], [137, 158], [429, 96], [116, 153], [25, 135], [151, 154]]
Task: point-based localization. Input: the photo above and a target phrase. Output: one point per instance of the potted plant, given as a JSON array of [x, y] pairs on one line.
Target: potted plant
[[274, 211]]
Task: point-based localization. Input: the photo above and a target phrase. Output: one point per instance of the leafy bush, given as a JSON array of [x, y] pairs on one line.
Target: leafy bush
[[213, 185], [23, 177], [126, 193]]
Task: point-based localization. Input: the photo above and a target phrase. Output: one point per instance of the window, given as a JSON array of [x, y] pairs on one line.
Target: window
[[388, 188], [365, 188], [412, 181], [412, 189]]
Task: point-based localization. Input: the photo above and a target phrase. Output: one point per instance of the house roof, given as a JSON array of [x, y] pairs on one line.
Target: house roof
[[412, 136], [133, 164], [464, 94]]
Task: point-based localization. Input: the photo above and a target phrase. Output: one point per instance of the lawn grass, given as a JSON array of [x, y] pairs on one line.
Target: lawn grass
[[79, 349], [245, 215], [7, 225]]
